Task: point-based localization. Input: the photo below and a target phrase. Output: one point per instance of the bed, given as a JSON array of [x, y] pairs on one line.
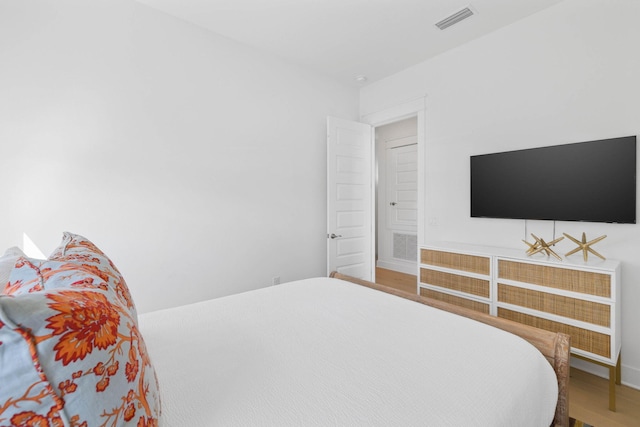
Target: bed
[[328, 351], [324, 351]]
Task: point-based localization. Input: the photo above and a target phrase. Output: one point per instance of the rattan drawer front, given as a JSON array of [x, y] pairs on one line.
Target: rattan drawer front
[[455, 282], [585, 282], [593, 342], [459, 301], [586, 311], [470, 263]]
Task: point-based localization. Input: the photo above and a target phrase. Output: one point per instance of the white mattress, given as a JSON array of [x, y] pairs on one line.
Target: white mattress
[[324, 352]]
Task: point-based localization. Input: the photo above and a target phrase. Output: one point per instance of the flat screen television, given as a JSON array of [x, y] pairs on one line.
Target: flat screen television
[[589, 181]]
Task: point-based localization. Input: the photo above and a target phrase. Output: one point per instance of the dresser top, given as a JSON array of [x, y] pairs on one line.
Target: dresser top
[[576, 260]]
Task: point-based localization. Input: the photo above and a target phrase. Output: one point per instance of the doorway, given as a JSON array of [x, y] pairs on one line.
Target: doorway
[[396, 195], [351, 194]]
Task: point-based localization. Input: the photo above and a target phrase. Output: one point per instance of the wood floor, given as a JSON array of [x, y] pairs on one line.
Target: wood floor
[[589, 397], [401, 281], [588, 394]]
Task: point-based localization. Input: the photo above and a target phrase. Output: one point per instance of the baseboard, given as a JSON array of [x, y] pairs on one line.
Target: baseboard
[[630, 375], [407, 268]]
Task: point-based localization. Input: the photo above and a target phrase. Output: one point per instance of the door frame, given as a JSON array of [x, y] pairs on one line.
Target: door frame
[[417, 108]]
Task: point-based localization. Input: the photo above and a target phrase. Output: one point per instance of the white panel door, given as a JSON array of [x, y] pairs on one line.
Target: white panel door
[[398, 205], [402, 186], [350, 198]]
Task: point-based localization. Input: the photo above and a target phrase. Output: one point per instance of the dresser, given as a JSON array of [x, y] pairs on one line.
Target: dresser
[[580, 299]]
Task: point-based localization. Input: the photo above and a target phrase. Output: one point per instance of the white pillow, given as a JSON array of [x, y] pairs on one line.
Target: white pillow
[[7, 262]]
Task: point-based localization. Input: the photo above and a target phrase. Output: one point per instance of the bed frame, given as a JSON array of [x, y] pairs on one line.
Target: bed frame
[[554, 346]]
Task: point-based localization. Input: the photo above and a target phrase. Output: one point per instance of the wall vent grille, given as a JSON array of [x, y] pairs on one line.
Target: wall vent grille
[[405, 246], [455, 18]]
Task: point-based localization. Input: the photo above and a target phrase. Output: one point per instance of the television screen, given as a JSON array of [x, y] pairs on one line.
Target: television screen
[[588, 181]]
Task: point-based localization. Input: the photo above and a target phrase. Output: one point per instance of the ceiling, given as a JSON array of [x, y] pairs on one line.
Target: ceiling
[[349, 38]]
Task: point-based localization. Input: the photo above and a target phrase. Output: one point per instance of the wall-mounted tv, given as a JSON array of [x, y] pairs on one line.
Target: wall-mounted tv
[[589, 181]]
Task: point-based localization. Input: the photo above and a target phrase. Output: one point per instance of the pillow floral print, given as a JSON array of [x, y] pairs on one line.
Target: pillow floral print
[[71, 353]]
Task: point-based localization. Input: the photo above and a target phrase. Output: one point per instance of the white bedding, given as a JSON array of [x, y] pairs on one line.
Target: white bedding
[[324, 352]]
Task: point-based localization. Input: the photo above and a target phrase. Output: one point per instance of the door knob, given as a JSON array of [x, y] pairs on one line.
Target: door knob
[[393, 203], [335, 236]]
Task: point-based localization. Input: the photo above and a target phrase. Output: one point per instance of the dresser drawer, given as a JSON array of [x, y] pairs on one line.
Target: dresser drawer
[[456, 261], [574, 280], [456, 282], [572, 308], [459, 301], [583, 339]]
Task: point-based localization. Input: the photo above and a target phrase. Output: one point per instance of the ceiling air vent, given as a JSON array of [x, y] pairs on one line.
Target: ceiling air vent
[[455, 18]]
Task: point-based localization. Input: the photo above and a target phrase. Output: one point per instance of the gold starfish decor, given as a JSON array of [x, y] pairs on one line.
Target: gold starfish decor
[[584, 246], [532, 246], [541, 246]]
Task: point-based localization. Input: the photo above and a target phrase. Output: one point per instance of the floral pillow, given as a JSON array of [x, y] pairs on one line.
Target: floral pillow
[[7, 261], [79, 250], [70, 349]]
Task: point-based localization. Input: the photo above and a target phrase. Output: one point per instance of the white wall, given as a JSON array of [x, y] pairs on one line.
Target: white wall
[[567, 74], [197, 164]]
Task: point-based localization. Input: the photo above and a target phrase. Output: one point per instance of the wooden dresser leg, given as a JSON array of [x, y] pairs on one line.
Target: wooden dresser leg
[[619, 370]]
